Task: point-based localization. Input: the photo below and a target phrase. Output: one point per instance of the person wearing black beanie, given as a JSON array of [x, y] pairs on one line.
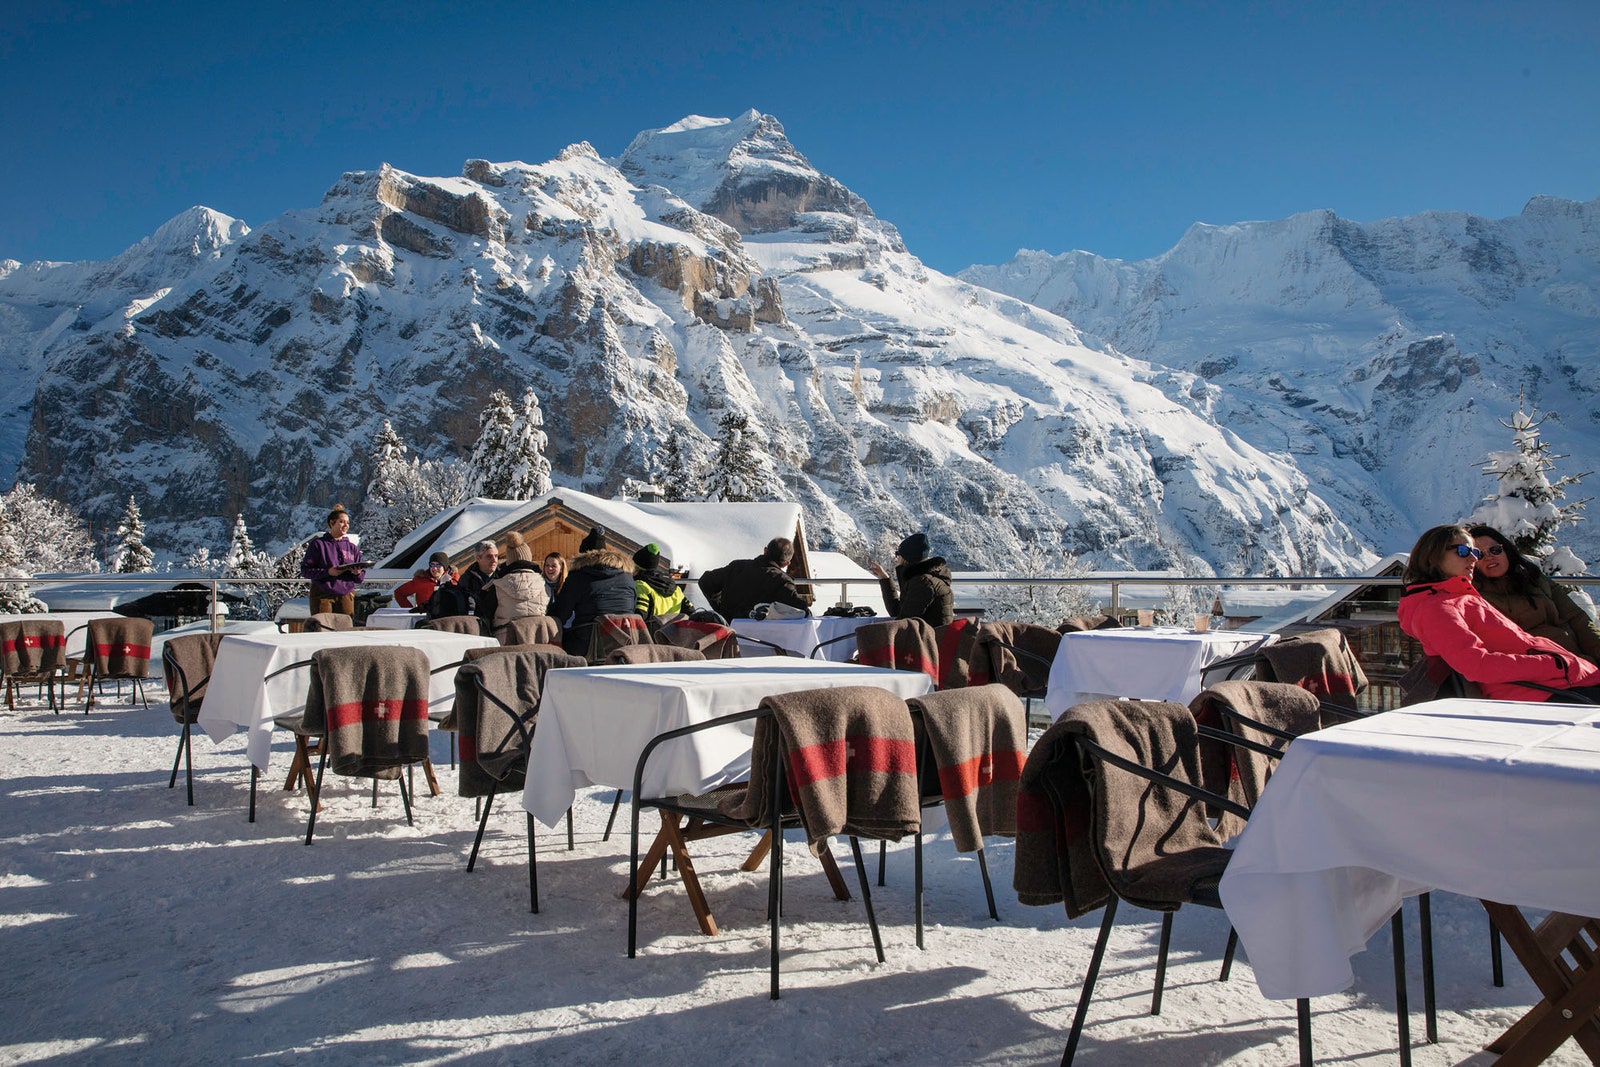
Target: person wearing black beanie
[[924, 584], [595, 541]]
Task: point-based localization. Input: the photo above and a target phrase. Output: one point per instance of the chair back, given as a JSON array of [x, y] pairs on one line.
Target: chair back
[[611, 632], [497, 703], [456, 624], [1431, 678], [974, 741], [1154, 845], [1082, 623], [1259, 712], [1019, 655], [957, 644], [654, 654], [530, 630], [1319, 661], [32, 648], [329, 622], [711, 639], [900, 644], [849, 755], [120, 647], [371, 702], [186, 662]]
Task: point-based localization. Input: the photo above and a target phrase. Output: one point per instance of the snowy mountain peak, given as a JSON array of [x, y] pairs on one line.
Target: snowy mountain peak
[[744, 171], [199, 231]]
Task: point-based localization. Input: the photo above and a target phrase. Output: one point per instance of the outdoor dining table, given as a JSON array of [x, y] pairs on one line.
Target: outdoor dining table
[[595, 721], [240, 696], [1148, 663], [394, 619], [1490, 799], [802, 635]]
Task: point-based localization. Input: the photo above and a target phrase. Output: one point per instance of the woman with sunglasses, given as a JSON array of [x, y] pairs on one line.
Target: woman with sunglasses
[[1451, 619], [1514, 584]]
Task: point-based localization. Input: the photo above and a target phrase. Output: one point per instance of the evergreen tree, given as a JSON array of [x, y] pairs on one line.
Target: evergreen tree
[[404, 492], [528, 473], [674, 469], [130, 555], [489, 469], [1042, 605], [740, 470], [1527, 506], [244, 561], [38, 535], [241, 551]]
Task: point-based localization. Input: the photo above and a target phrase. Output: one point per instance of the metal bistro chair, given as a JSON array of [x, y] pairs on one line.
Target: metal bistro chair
[[118, 648], [186, 663], [764, 804], [32, 652]]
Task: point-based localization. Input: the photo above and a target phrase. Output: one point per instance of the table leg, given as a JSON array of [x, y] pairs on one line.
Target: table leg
[[1571, 994]]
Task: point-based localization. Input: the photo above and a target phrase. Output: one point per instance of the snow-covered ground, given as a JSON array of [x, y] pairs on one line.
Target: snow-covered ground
[[136, 929]]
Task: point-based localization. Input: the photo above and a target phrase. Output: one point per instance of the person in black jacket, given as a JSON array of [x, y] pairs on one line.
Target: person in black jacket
[[599, 583], [924, 584], [737, 588]]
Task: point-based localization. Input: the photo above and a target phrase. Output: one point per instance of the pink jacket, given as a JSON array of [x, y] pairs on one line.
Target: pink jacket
[[1452, 620]]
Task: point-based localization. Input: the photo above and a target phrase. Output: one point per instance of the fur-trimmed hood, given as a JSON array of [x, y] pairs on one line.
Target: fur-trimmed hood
[[602, 557]]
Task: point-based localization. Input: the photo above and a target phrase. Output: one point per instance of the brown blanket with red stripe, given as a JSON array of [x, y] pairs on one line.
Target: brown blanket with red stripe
[[186, 663], [456, 624], [899, 644], [372, 702], [530, 630], [1027, 671], [710, 639], [32, 647], [959, 664], [850, 758], [979, 740], [120, 648], [491, 747], [654, 654], [612, 632], [1237, 773], [1319, 661]]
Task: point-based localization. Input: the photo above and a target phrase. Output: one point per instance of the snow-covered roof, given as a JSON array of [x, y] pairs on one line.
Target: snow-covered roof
[[694, 535], [102, 595]]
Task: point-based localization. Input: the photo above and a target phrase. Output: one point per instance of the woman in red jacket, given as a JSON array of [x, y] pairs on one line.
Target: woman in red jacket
[[1452, 620]]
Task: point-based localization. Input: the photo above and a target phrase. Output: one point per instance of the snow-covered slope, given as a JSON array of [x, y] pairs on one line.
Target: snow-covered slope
[[709, 268], [1383, 357]]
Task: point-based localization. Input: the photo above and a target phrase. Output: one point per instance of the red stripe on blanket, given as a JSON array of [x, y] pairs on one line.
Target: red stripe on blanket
[[1329, 684], [355, 712], [34, 641], [830, 759], [900, 659], [130, 651], [969, 775], [467, 748]]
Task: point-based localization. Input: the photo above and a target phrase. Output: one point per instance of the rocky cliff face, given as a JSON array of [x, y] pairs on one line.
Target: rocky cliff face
[[709, 268], [1381, 357]]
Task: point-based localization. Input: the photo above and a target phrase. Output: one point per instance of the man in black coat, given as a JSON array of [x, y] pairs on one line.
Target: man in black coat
[[737, 588], [924, 584]]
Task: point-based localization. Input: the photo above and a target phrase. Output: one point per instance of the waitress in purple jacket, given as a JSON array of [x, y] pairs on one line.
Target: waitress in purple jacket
[[333, 564]]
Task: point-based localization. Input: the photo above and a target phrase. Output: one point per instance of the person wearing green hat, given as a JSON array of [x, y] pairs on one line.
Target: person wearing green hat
[[658, 595]]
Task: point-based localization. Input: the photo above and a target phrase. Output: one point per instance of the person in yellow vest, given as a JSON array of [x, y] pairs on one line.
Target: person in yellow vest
[[658, 595]]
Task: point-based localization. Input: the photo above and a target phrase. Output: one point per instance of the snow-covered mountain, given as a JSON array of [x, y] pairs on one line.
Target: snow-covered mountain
[[1385, 358], [709, 268]]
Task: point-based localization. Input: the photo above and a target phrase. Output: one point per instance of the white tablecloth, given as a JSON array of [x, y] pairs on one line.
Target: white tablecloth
[[802, 635], [394, 619], [1161, 663], [1494, 800], [240, 696], [594, 722], [70, 621]]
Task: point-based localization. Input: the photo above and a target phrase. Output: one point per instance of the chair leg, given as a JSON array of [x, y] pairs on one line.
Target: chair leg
[[255, 773], [1495, 966], [866, 897], [1302, 1011], [917, 886], [472, 859], [616, 802], [316, 797], [172, 782], [1402, 1008], [1161, 962], [533, 869], [633, 882], [405, 797], [988, 887], [1089, 980], [775, 892], [1430, 1020], [570, 844], [1227, 954], [188, 759], [883, 848]]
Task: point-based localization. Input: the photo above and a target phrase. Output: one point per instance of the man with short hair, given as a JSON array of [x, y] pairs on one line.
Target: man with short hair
[[467, 595], [736, 589]]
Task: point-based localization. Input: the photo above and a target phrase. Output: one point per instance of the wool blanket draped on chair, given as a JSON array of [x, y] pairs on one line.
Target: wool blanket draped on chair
[[900, 644], [1319, 661], [372, 703], [31, 647], [979, 740]]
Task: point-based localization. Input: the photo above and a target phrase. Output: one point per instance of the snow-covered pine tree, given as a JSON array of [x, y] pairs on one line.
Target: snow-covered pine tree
[[528, 472], [37, 535], [673, 469], [403, 493], [1526, 505], [241, 550], [740, 470], [1042, 605], [244, 561], [489, 469], [130, 554]]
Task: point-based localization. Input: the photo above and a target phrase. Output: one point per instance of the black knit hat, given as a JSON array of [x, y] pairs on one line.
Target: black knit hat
[[913, 549], [595, 541], [647, 557], [440, 558]]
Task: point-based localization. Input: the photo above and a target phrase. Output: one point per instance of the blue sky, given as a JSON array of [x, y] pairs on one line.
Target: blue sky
[[976, 129]]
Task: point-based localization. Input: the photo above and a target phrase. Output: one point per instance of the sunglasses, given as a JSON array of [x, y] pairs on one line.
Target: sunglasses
[[1496, 550], [1465, 551]]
